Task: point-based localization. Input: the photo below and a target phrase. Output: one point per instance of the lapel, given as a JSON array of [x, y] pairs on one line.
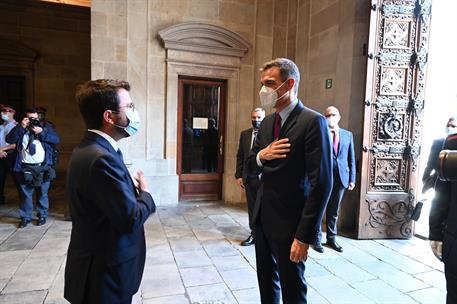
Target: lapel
[[291, 120], [92, 137], [247, 140]]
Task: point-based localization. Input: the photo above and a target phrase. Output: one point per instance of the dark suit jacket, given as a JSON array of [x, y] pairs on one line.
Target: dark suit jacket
[[106, 254], [294, 190], [443, 213], [345, 160], [432, 162], [244, 147]]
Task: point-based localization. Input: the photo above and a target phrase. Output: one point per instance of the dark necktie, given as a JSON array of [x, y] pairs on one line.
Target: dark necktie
[[336, 141], [31, 146], [254, 133], [277, 126]]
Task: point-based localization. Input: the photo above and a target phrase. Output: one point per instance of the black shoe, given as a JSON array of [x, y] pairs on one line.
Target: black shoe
[[249, 241], [24, 223], [318, 247], [41, 221], [334, 245]]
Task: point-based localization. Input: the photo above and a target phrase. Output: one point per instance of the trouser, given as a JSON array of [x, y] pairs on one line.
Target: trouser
[[26, 208], [6, 167], [251, 187], [276, 273], [450, 267], [332, 210]]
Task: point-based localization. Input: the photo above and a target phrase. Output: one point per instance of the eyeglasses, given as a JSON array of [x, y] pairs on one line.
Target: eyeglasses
[[129, 106]]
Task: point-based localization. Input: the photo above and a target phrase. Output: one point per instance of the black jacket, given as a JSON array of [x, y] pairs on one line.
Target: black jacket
[[107, 249], [294, 190]]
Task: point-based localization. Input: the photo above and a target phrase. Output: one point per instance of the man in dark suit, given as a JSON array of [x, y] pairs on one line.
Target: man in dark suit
[[107, 251], [443, 226], [430, 173], [249, 184], [292, 153], [343, 175]]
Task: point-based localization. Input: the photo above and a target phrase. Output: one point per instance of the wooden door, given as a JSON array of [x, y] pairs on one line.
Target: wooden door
[[394, 101], [201, 126]]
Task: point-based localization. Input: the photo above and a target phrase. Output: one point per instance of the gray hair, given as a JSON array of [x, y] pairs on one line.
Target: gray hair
[[288, 69], [258, 110]]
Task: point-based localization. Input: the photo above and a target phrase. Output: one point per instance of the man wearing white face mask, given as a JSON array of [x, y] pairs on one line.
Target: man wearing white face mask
[[431, 170], [107, 251], [292, 152]]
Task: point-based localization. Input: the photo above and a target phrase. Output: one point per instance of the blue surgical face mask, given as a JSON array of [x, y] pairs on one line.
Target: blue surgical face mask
[[5, 117], [134, 122]]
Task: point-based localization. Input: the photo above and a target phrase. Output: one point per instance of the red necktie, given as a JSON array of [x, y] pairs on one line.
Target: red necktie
[[277, 126], [336, 141]]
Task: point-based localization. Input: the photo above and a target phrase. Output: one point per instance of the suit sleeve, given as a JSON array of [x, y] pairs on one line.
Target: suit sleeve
[[351, 159], [239, 158], [432, 158], [116, 197], [319, 171], [49, 135], [440, 206]]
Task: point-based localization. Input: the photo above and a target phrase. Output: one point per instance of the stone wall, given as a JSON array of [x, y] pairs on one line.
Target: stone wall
[[318, 35], [60, 34], [125, 45]]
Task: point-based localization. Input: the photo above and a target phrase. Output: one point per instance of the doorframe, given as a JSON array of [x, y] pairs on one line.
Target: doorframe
[[201, 178]]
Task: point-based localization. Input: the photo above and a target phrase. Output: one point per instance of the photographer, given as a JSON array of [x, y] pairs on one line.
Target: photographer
[[443, 222], [33, 163]]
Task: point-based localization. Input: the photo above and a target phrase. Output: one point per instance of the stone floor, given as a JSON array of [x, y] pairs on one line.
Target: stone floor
[[193, 256]]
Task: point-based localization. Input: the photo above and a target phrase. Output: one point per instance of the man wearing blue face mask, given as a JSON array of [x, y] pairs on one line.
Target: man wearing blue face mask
[[292, 152], [107, 250]]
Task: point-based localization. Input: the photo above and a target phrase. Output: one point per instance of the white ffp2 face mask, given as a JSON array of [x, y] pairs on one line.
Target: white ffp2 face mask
[[269, 96]]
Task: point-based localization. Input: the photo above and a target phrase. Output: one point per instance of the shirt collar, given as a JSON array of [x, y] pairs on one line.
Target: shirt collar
[[284, 113], [111, 140]]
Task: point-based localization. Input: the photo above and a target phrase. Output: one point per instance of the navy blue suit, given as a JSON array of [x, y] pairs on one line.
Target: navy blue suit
[[443, 225], [343, 174], [290, 202], [107, 250], [251, 184]]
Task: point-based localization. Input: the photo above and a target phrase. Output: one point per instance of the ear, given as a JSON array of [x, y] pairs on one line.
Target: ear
[[290, 83], [107, 117]]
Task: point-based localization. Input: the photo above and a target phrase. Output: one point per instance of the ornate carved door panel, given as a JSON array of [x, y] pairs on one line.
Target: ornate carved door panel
[[394, 99]]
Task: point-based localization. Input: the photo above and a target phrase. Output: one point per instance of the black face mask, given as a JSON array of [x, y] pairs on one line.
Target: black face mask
[[256, 124]]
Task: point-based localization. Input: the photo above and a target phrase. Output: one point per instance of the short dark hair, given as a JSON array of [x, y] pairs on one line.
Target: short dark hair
[[29, 110], [94, 97], [287, 68]]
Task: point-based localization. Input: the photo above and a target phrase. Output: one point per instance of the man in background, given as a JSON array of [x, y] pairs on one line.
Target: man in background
[[6, 149], [33, 164], [343, 176], [249, 184], [443, 226]]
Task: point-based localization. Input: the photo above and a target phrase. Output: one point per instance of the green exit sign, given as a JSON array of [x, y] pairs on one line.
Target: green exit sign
[[328, 83]]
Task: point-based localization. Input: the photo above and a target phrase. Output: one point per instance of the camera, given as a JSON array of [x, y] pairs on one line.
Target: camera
[[447, 165], [34, 122]]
